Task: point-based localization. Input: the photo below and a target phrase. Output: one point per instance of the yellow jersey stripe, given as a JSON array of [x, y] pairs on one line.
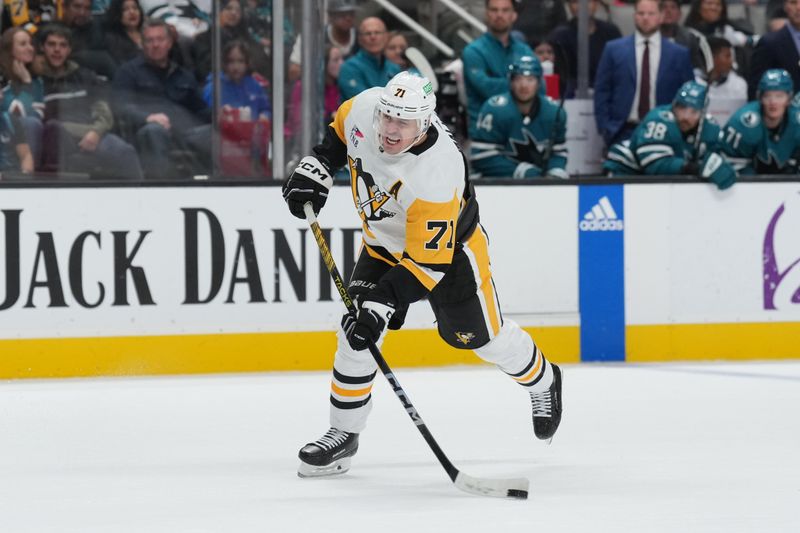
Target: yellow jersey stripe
[[338, 122], [479, 245], [422, 276]]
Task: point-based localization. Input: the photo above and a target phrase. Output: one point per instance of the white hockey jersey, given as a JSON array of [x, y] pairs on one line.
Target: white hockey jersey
[[409, 203]]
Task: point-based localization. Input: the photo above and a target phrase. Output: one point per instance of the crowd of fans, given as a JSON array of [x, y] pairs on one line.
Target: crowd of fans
[[124, 89]]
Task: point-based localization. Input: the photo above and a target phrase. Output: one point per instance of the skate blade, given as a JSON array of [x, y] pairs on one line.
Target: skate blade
[[340, 466]]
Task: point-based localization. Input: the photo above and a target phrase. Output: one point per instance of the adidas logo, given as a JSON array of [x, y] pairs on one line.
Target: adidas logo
[[601, 217]]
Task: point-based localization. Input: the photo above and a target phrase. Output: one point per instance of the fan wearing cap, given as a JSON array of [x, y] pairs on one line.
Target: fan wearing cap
[[763, 136], [665, 142], [520, 133], [421, 240]]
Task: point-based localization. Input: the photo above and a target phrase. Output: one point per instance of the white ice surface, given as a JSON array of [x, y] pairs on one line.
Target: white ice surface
[[642, 448]]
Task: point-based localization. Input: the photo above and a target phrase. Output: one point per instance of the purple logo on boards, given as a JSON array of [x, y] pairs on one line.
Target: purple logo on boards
[[773, 276]]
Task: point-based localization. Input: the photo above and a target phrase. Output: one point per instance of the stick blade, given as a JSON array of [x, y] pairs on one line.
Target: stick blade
[[496, 488]]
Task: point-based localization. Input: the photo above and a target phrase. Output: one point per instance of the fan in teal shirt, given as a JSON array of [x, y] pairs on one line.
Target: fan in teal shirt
[[369, 67]]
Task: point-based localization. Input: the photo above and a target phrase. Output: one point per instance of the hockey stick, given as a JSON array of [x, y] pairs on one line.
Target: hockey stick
[[418, 61], [708, 59], [499, 488]]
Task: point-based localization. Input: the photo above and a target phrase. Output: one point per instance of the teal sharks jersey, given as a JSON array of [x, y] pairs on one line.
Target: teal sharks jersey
[[506, 143], [754, 149], [658, 147]]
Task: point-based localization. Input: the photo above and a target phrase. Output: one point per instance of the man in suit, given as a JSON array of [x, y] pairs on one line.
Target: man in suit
[[637, 73], [778, 49]]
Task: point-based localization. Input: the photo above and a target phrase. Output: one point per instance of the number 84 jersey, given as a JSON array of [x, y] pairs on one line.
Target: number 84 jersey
[[409, 203]]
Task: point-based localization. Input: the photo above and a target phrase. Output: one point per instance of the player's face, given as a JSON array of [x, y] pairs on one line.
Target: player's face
[[500, 15], [396, 135], [56, 51], [524, 88], [647, 17], [774, 104], [687, 117]]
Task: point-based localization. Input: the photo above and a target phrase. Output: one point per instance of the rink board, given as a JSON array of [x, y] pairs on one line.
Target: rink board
[[192, 280]]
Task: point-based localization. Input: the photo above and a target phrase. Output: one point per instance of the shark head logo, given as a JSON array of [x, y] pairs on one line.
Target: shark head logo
[[781, 276]]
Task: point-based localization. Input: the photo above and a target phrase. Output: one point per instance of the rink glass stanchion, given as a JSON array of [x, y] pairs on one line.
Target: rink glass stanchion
[[501, 488]]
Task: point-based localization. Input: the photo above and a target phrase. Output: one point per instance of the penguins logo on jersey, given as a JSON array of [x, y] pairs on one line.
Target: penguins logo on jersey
[[464, 337], [368, 197]]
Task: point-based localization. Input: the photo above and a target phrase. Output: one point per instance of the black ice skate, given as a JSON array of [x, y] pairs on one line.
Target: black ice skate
[[547, 408], [328, 455]]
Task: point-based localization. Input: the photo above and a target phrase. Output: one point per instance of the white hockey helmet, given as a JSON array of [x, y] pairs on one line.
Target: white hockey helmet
[[403, 112]]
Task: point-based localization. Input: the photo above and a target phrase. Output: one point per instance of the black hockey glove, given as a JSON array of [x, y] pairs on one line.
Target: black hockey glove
[[310, 182], [373, 317]]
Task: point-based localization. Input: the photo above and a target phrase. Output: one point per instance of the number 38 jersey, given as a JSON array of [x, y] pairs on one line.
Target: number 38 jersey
[[416, 207]]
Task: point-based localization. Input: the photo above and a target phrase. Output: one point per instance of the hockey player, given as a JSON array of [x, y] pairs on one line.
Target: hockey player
[[664, 143], [421, 238], [521, 133], [763, 136]]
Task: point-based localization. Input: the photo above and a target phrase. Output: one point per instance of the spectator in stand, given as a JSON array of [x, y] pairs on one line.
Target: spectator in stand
[[395, 50], [232, 28], [124, 19], [15, 154], [339, 32], [566, 37], [160, 105], [369, 67], [520, 134], [710, 17], [239, 88], [333, 97], [778, 49], [88, 41], [537, 18], [723, 80], [553, 61], [23, 93], [636, 74], [78, 119], [671, 27], [487, 58]]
